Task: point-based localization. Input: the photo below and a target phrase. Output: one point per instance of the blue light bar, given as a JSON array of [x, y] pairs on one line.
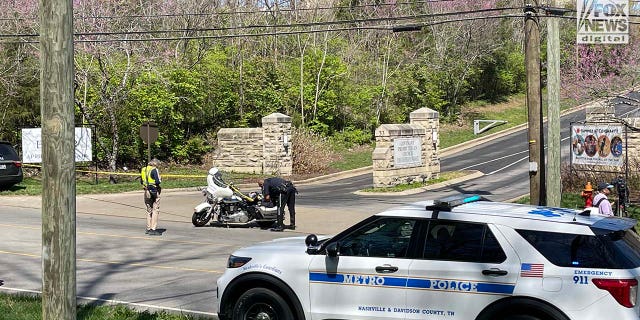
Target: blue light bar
[[473, 198], [449, 203]]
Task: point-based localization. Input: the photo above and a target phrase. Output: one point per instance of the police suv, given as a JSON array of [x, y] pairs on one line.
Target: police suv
[[456, 258]]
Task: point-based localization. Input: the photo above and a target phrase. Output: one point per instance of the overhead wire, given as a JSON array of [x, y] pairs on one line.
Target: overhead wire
[[262, 34], [295, 25], [292, 25]]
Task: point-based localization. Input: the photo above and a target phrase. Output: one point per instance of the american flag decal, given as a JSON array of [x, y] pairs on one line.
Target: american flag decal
[[532, 270]]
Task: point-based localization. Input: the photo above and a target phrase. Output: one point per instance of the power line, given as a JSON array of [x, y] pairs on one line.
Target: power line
[[263, 34], [279, 33], [293, 25]]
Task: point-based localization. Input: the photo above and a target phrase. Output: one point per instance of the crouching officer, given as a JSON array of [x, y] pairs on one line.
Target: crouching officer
[[281, 193]]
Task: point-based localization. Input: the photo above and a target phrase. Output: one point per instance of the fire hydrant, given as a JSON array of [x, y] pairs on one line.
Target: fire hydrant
[[587, 195]]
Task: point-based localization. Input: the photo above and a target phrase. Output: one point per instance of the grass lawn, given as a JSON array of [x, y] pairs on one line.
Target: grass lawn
[[28, 307], [353, 158], [514, 111]]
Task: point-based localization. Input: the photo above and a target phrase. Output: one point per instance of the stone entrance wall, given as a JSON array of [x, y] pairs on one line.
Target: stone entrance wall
[[257, 150], [389, 171]]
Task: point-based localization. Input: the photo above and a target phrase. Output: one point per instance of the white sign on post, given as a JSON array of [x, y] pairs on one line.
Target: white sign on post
[[32, 145], [407, 152], [603, 21], [83, 144]]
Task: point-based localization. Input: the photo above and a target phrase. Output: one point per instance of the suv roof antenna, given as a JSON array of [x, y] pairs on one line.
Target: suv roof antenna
[[435, 213]]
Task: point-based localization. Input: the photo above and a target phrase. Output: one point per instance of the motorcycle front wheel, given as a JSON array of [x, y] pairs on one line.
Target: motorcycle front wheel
[[200, 218]]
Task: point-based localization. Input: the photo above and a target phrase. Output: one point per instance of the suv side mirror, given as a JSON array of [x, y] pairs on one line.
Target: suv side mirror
[[311, 240], [312, 244], [333, 249]]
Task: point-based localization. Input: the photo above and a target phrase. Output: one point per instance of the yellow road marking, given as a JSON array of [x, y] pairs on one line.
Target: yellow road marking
[[118, 263], [21, 254]]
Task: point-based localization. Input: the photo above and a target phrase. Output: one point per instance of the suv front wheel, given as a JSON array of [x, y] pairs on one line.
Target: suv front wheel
[[261, 304], [521, 309]]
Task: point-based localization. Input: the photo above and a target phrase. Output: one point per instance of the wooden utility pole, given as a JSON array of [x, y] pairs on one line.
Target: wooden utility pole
[[58, 161], [553, 186], [534, 106]]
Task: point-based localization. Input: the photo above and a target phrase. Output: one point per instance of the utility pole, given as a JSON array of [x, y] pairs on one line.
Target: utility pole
[[58, 161], [553, 186], [534, 106]]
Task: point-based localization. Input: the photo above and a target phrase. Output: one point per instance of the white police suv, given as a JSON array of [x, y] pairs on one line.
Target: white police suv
[[457, 258]]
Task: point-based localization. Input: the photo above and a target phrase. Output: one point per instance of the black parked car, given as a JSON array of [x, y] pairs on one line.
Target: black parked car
[[10, 166]]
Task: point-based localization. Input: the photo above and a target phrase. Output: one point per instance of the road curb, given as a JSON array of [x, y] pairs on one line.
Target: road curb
[[474, 174]]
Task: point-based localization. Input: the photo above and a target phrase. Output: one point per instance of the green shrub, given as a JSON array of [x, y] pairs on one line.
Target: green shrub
[[350, 137], [192, 151]]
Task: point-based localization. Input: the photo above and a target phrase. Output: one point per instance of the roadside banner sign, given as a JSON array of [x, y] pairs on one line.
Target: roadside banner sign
[[599, 145]]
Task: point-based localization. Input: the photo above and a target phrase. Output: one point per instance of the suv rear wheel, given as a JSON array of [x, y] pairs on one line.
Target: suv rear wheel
[[261, 304]]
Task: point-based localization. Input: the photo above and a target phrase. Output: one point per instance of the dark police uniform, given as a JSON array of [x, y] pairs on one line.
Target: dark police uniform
[[281, 193]]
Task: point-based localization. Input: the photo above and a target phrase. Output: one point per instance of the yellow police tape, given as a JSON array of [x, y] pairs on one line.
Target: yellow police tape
[[125, 173]]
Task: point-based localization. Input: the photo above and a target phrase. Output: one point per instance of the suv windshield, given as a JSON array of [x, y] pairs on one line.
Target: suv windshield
[[7, 152], [614, 250]]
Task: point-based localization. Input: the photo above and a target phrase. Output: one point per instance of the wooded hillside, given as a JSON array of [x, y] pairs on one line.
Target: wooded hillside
[[336, 67]]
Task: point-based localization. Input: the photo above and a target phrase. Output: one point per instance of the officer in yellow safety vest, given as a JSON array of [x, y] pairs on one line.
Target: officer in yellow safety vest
[[150, 180]]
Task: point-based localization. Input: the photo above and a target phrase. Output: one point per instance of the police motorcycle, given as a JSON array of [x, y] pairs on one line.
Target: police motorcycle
[[225, 205]]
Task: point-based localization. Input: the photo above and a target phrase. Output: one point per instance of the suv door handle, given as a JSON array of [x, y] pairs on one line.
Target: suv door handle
[[386, 269], [494, 272]]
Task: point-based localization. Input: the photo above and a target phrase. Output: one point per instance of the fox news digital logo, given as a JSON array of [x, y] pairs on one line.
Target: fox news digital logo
[[603, 21]]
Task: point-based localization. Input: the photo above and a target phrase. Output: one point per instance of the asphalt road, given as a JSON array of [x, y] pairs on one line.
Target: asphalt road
[[118, 263]]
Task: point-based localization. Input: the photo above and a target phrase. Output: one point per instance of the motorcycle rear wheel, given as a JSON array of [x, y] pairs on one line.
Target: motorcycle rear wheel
[[200, 218]]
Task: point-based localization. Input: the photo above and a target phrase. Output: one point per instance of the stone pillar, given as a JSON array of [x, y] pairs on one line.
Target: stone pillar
[[278, 159], [390, 171], [429, 120]]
